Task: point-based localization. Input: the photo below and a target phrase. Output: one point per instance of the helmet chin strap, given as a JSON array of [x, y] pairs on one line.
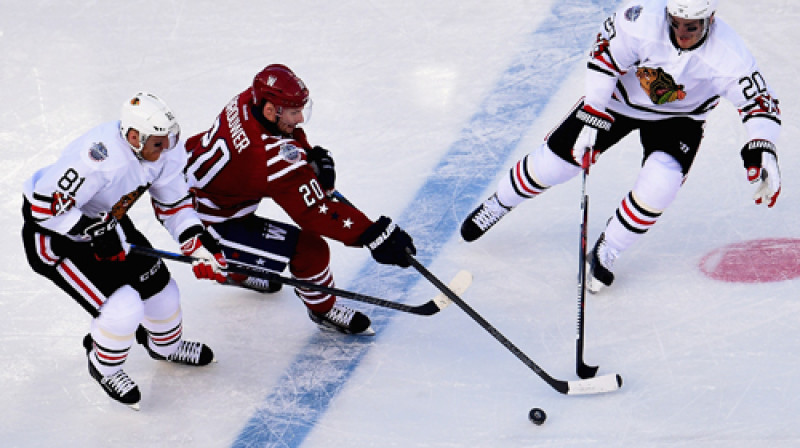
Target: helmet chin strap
[[137, 151], [142, 140], [707, 26]]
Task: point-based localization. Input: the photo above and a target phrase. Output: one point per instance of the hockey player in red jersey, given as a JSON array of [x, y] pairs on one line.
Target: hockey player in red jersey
[[255, 150], [659, 67], [77, 233]]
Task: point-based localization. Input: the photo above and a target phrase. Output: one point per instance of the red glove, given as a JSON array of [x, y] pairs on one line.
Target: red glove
[[209, 262]]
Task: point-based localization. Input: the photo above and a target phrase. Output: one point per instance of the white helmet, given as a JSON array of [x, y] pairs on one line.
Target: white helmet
[[692, 9], [151, 116]]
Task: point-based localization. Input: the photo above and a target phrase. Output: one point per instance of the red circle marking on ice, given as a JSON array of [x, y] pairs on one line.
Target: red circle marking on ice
[[757, 261]]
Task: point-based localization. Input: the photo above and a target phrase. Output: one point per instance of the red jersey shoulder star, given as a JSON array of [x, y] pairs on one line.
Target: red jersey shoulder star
[[323, 208], [347, 223]]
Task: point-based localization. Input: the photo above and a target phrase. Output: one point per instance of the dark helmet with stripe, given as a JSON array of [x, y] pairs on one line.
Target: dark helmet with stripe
[[280, 86]]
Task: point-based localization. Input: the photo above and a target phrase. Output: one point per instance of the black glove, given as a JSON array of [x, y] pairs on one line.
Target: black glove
[[321, 162], [388, 243], [761, 163], [105, 240]]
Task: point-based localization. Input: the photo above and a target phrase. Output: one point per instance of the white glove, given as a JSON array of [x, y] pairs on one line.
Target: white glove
[[761, 164], [583, 151]]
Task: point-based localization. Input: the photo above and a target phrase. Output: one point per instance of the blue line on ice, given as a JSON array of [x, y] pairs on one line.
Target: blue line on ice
[[323, 366]]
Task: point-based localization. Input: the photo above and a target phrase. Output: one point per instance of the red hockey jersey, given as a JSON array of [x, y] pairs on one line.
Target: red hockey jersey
[[238, 162]]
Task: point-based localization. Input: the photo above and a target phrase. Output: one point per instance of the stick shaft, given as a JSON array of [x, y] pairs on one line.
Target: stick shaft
[[426, 309]]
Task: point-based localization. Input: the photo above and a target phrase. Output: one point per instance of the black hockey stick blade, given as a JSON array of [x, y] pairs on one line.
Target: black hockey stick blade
[[605, 383], [582, 369], [428, 308]]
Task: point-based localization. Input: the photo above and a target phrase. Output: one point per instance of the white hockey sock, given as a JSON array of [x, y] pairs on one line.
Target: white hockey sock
[[163, 320], [113, 331], [533, 175], [656, 187]]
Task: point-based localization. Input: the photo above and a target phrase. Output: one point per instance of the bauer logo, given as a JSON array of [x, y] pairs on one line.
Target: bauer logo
[[289, 153], [98, 152]]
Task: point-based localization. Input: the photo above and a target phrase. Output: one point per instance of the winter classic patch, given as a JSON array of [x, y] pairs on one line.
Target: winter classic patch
[[632, 13], [98, 152], [289, 152]]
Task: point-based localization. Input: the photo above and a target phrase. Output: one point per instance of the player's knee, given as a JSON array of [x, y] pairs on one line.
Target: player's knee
[[551, 168], [312, 255], [122, 312], [659, 181], [164, 304]]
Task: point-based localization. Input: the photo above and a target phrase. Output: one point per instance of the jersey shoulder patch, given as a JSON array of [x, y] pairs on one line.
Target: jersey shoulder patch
[[289, 152], [633, 13], [98, 152]]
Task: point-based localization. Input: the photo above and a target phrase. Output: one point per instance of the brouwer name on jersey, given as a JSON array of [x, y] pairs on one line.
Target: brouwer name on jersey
[[238, 136]]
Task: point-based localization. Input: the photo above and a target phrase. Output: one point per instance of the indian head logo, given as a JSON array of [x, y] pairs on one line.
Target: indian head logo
[[659, 85], [124, 203]]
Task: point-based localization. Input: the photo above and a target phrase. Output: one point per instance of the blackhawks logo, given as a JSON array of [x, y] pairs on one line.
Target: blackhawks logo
[[659, 85], [124, 204]]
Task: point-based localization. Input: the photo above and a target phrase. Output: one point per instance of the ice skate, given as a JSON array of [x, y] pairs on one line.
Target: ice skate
[[188, 353], [253, 283], [118, 385], [483, 218], [600, 265], [344, 320]]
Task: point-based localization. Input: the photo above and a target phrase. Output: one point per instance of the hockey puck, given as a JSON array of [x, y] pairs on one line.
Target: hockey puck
[[537, 416]]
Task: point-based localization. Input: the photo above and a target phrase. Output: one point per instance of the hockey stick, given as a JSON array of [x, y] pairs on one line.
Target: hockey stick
[[581, 368], [428, 308], [605, 383], [340, 197]]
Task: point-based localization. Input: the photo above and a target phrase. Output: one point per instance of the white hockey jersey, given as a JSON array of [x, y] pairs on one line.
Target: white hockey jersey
[[636, 70], [98, 172]]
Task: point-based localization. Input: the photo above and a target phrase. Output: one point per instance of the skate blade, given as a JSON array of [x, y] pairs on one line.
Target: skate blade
[[324, 326]]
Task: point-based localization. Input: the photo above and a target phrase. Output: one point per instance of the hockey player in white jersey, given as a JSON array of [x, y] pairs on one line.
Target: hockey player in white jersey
[[77, 233], [659, 67]]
